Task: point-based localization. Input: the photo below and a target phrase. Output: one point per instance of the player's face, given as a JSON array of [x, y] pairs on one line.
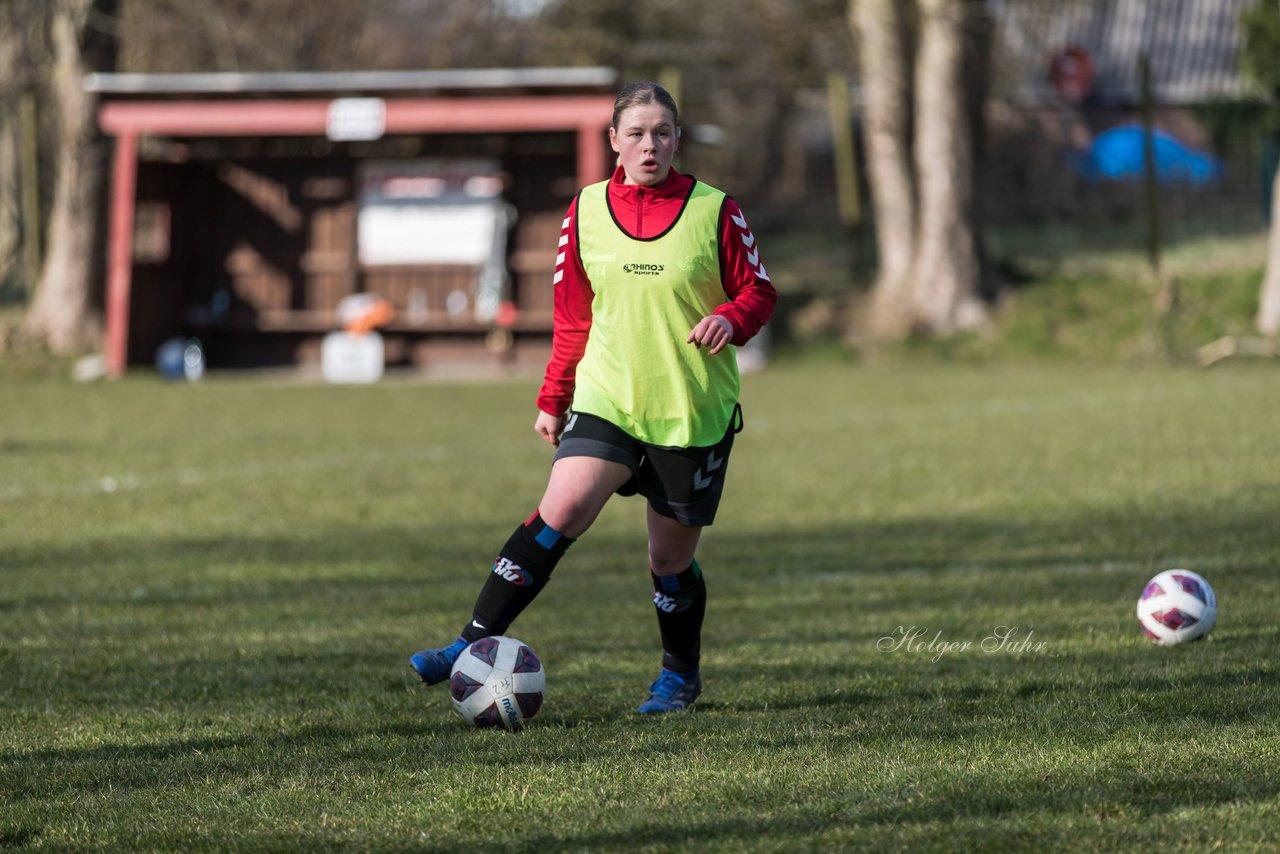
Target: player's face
[[645, 140]]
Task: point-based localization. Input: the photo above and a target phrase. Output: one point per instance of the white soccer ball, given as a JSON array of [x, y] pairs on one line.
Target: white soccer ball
[[497, 681], [1177, 605]]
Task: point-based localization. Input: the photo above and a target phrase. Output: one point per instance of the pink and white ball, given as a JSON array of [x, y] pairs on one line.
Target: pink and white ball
[[1176, 606], [497, 682]]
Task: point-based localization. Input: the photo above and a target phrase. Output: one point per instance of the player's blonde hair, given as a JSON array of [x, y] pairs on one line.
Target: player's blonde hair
[[643, 92]]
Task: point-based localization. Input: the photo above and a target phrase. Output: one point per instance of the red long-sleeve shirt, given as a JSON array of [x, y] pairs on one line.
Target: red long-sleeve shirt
[[645, 212]]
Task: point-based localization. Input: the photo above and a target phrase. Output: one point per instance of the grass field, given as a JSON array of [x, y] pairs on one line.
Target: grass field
[[208, 593]]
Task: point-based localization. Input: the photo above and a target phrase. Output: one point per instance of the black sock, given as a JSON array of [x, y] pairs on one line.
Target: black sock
[[681, 601], [521, 571]]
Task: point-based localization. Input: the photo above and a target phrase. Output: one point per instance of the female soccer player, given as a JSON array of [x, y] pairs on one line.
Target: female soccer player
[[657, 275]]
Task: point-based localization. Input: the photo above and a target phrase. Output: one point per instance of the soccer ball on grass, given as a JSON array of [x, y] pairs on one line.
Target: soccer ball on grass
[[1177, 605], [497, 682]]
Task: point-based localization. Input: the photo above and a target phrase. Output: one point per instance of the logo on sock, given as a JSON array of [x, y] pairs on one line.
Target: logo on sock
[[669, 604], [512, 572]]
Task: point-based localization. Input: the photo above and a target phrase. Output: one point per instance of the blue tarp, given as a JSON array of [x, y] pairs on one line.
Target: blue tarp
[[1118, 155]]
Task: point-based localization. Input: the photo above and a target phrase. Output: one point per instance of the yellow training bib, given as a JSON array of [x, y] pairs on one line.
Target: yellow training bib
[[637, 371]]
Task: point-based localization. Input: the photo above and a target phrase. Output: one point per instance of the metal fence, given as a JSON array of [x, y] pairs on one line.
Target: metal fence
[[1050, 159]]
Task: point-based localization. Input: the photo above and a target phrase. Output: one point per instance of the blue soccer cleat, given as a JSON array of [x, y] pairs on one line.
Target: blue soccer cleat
[[434, 665], [672, 692]]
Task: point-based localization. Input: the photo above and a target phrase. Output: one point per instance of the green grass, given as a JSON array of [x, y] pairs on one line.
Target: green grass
[[1087, 295], [207, 595], [1094, 304]]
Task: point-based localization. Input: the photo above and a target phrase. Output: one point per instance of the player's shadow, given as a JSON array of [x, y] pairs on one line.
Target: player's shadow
[[33, 447], [938, 816], [47, 772], [1071, 542]]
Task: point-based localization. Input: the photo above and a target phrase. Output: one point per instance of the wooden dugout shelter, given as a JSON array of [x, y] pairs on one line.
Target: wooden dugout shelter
[[245, 207]]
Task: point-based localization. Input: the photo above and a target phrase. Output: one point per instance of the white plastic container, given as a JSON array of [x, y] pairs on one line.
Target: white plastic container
[[347, 358]]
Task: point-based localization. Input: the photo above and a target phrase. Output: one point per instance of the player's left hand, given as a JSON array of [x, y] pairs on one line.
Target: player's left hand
[[549, 427], [713, 332]]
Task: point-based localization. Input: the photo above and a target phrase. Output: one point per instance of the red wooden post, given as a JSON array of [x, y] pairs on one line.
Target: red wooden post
[[120, 252]]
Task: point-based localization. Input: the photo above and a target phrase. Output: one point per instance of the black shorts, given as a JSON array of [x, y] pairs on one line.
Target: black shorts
[[684, 484]]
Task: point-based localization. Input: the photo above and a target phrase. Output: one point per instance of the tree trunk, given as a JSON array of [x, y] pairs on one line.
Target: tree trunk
[[878, 30], [10, 219], [1268, 320], [947, 272], [62, 315], [10, 193]]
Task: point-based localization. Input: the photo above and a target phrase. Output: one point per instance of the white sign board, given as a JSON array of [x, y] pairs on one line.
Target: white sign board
[[417, 234], [437, 211], [356, 119], [430, 211]]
